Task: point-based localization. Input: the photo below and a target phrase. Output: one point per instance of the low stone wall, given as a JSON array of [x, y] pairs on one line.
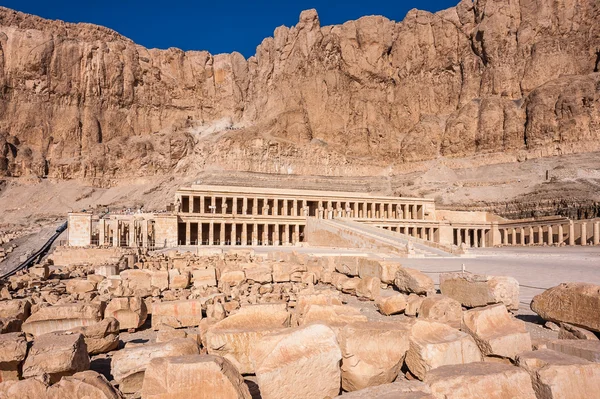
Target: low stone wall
[[68, 256]]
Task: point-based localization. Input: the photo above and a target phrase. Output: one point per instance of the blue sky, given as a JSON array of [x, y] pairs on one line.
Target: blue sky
[[216, 26]]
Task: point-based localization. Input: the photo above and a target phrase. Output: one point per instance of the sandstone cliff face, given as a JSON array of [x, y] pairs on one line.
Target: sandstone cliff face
[[513, 78]]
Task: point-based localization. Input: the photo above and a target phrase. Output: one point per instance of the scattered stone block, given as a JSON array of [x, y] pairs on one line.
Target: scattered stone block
[[15, 308], [475, 290], [372, 353], [327, 298], [573, 303], [480, 380], [402, 389], [80, 286], [107, 270], [369, 268], [42, 272], [413, 281], [433, 345], [131, 312], [234, 337], [10, 325], [496, 331], [58, 355], [298, 363], [369, 287], [232, 277], [258, 273], [557, 375], [170, 334], [441, 309], [176, 314], [101, 337], [13, 349], [129, 364], [204, 277], [389, 270], [413, 304], [348, 265], [31, 388], [331, 315], [86, 384], [178, 279], [391, 305], [63, 317], [193, 376], [585, 349], [569, 331]]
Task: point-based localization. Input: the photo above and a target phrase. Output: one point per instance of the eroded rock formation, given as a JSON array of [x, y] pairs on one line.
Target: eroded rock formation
[[517, 78]]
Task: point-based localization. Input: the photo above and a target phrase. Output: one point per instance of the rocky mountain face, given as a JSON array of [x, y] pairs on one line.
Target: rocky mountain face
[[489, 81]]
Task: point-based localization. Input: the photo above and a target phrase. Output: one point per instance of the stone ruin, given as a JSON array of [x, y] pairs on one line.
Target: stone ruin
[[286, 325]]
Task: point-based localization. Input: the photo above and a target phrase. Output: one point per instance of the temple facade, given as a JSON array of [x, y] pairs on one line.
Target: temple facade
[[243, 216]]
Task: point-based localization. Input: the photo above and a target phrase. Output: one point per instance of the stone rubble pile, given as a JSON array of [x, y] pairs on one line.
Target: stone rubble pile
[[226, 325]]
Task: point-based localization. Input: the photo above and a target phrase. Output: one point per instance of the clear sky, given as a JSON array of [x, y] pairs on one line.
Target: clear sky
[[216, 26]]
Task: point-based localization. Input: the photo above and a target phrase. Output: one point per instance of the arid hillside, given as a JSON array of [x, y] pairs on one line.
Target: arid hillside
[[489, 82]]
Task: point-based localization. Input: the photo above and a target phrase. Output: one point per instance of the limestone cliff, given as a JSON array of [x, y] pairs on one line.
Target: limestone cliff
[[490, 81]]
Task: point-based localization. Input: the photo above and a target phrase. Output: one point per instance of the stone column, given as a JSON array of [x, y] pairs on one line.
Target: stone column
[[211, 233], [213, 202], [244, 234], [295, 207], [234, 206], [255, 206], [571, 232], [475, 238], [187, 233], [540, 235], [354, 209], [285, 207], [233, 233], [275, 207], [483, 243], [583, 233], [514, 237], [550, 235], [364, 211], [596, 233], [560, 234], [296, 233], [531, 235], [224, 205], [304, 211], [467, 238], [276, 235], [286, 234], [202, 204], [144, 233], [245, 206], [265, 237], [115, 228], [522, 232], [255, 234], [222, 235], [101, 232]]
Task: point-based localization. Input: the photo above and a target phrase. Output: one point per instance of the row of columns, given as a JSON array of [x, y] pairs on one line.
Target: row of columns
[[250, 234], [470, 237], [424, 233], [124, 233], [322, 210], [530, 232]]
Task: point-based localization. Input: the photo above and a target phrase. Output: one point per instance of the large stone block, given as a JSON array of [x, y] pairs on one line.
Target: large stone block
[[442, 309], [347, 265], [496, 331], [569, 331], [372, 353], [585, 349], [573, 303], [413, 281], [402, 389], [234, 337], [204, 277], [31, 388], [557, 375], [331, 315], [193, 376], [101, 337], [15, 308], [369, 268], [474, 290], [131, 312], [433, 345], [63, 317], [389, 270], [258, 273], [178, 279], [176, 314], [129, 364], [58, 355], [13, 349], [369, 287], [392, 304], [480, 380], [86, 384], [303, 301], [80, 286], [300, 363]]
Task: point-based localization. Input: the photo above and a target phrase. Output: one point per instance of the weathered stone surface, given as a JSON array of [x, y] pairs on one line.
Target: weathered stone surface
[[474, 290], [80, 286], [101, 337], [433, 345], [388, 271], [170, 334], [556, 375], [369, 287], [10, 325], [13, 349], [178, 279], [347, 265], [325, 298], [63, 317], [331, 315], [258, 273], [442, 309], [573, 303], [176, 314], [585, 349], [397, 390], [300, 363], [480, 380], [413, 281], [56, 354], [15, 308], [204, 277], [86, 384], [31, 388], [193, 376], [496, 332], [372, 353], [129, 364], [413, 304], [569, 331], [234, 337], [131, 312], [369, 268], [392, 304]]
